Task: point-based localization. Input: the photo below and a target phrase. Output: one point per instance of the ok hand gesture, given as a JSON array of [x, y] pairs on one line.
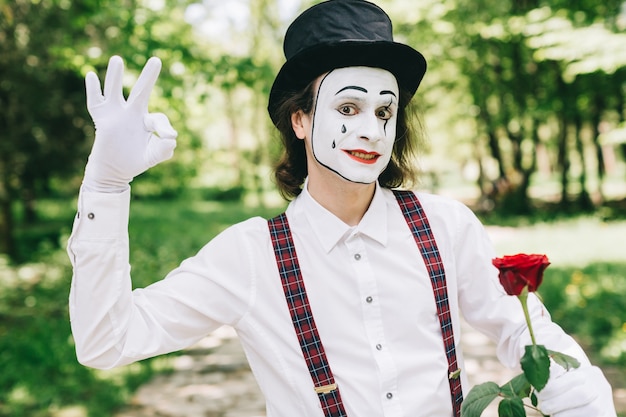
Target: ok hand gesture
[[129, 140]]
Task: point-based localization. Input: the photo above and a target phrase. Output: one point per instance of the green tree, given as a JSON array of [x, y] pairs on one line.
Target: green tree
[[525, 77], [43, 121], [46, 48], [244, 55]]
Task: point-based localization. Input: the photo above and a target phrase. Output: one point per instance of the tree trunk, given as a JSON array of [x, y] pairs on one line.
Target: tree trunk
[[234, 134], [595, 133], [7, 232], [563, 160], [7, 239], [29, 204], [584, 200]]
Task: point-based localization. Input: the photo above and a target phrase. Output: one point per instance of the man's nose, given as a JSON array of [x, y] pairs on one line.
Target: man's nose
[[371, 128]]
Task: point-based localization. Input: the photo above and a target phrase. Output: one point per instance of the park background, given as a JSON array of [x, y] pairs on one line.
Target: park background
[[524, 105]]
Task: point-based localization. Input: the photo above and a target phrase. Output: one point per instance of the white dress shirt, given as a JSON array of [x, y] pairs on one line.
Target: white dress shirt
[[367, 285]]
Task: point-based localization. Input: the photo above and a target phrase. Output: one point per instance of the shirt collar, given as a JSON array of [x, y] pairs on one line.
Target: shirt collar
[[329, 229]]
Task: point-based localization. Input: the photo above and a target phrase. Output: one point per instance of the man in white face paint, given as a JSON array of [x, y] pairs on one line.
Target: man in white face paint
[[354, 123], [347, 304]]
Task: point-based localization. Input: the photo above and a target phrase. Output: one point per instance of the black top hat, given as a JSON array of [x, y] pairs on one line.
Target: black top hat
[[343, 33]]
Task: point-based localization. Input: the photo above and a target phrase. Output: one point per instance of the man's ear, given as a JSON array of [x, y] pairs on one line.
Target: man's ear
[[298, 124]]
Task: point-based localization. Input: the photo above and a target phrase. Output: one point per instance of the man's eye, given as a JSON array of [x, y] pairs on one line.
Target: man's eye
[[384, 113], [347, 110]]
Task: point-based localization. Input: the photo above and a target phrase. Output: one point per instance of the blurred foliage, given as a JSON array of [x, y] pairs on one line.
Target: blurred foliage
[[516, 92], [589, 303], [46, 48], [521, 91]]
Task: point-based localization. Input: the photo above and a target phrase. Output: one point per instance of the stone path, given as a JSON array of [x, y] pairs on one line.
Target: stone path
[[212, 379]]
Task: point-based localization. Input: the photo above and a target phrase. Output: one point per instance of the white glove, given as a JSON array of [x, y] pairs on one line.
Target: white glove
[[129, 140], [580, 392]]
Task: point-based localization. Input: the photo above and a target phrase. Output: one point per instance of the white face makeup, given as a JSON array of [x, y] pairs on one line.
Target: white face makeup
[[354, 124]]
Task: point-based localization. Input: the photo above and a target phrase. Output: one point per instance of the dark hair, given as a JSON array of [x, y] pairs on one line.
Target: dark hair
[[291, 168]]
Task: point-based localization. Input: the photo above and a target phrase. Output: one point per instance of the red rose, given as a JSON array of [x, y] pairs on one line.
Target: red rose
[[519, 271]]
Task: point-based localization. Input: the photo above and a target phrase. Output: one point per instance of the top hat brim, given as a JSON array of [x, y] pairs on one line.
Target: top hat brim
[[404, 62]]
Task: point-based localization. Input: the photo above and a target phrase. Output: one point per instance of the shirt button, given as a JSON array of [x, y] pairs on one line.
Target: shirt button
[[369, 299], [91, 216], [379, 347], [389, 395], [357, 256]]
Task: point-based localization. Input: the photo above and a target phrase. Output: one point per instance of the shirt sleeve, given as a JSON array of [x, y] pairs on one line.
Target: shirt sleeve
[[113, 325], [487, 307]]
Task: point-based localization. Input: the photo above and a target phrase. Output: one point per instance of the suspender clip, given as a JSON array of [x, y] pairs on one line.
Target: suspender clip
[[326, 389]]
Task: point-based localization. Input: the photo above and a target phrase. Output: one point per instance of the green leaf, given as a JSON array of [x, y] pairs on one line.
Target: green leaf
[[564, 360], [536, 365], [479, 397], [511, 407], [533, 399], [516, 387]]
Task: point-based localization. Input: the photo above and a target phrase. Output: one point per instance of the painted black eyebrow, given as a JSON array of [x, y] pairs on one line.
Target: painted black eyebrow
[[388, 92], [352, 87]]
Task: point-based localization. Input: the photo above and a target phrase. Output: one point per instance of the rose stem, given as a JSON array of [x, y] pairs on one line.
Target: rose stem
[[523, 297]]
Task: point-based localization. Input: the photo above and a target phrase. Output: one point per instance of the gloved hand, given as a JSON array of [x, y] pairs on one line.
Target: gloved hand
[[580, 392], [129, 140]]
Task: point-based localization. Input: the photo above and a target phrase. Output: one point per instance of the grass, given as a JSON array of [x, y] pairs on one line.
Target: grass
[[39, 370], [39, 374], [581, 298], [163, 233]]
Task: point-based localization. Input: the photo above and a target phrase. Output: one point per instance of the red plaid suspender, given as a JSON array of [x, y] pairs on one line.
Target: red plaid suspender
[[420, 227], [302, 317]]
